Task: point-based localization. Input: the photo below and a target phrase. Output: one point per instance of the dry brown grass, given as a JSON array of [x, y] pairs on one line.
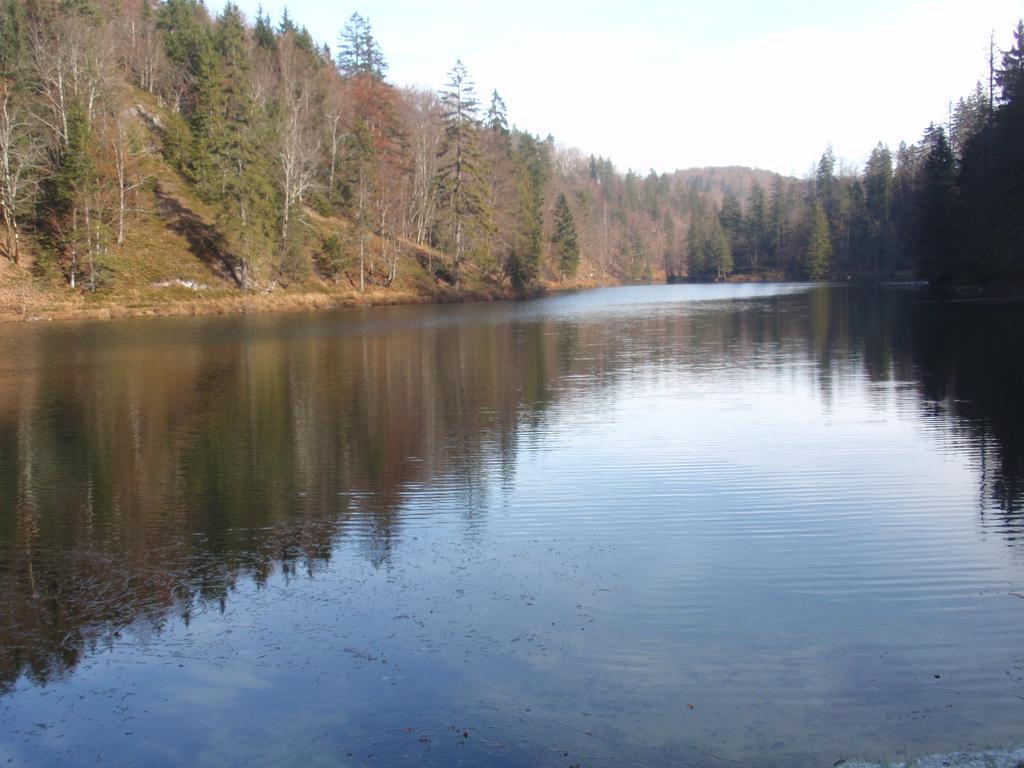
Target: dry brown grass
[[24, 302], [28, 305]]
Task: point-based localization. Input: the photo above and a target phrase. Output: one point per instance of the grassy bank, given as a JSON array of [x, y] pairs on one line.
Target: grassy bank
[[23, 299]]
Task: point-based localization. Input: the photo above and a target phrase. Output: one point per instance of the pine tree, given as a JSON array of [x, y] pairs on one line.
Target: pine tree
[[825, 183], [263, 30], [287, 26], [819, 248], [707, 246], [185, 36], [731, 218], [970, 117], [1005, 239], [532, 168], [670, 257], [936, 235], [497, 115], [230, 159], [358, 50], [12, 25], [778, 220], [756, 225], [1010, 76], [461, 174], [565, 240], [721, 253], [68, 197], [878, 192]]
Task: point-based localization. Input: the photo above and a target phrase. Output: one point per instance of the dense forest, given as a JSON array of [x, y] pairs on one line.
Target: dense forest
[[130, 126]]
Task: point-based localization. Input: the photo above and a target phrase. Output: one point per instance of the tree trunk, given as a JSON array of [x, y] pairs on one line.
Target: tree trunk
[[11, 226], [89, 251], [458, 256], [74, 246], [396, 251], [334, 158], [284, 222], [121, 204]]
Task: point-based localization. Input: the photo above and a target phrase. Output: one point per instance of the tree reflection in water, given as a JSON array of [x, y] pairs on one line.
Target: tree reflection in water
[[147, 467]]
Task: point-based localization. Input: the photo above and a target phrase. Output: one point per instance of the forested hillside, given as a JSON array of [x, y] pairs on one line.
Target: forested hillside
[[153, 151]]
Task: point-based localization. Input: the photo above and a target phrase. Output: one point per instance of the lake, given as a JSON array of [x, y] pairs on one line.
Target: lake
[[772, 525]]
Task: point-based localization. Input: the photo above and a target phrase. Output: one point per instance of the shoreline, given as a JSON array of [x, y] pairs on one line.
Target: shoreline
[[44, 308]]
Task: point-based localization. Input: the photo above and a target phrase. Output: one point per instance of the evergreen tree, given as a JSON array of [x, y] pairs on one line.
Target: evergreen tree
[[358, 50], [731, 218], [185, 30], [936, 235], [819, 247], [671, 257], [565, 240], [853, 237], [721, 253], [970, 117], [756, 225], [1003, 239], [984, 241], [461, 173], [287, 26], [631, 192], [1010, 76], [825, 183], [905, 203], [12, 23], [532, 169], [263, 30], [497, 115], [230, 161], [708, 250], [68, 196], [878, 192], [778, 220]]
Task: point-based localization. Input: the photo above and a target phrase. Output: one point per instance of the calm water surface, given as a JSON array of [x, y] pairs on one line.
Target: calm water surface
[[680, 525]]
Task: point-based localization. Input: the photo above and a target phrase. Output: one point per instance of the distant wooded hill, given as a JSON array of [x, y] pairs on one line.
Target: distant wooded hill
[[718, 182]]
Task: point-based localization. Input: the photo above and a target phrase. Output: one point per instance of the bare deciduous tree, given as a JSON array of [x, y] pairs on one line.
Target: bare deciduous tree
[[425, 129], [126, 150], [142, 49], [69, 60], [20, 154], [336, 118], [299, 140]]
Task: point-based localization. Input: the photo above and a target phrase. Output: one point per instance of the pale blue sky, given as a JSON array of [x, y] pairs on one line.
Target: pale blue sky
[[669, 85]]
